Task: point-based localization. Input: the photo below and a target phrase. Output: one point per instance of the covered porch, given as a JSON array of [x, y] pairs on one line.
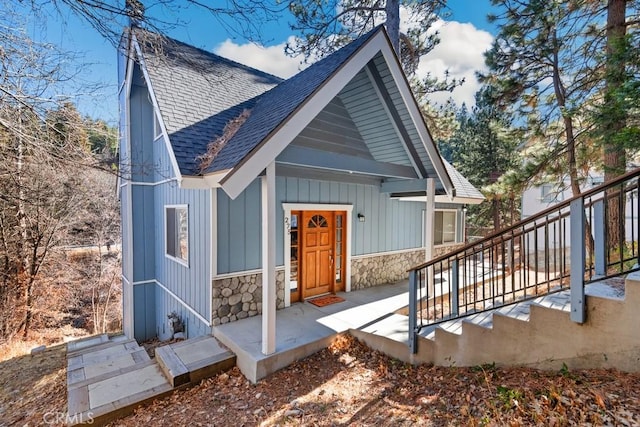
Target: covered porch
[[304, 329]]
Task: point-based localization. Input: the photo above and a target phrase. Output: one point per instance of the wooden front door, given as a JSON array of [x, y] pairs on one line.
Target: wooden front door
[[318, 271]]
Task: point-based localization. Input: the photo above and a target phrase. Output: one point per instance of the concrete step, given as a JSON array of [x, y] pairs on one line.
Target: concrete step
[[101, 353], [204, 357], [103, 399]]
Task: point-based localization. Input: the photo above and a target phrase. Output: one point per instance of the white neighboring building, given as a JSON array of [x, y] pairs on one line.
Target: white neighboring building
[[538, 198]]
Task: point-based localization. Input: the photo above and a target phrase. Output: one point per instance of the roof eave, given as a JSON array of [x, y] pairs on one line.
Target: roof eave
[[211, 180]]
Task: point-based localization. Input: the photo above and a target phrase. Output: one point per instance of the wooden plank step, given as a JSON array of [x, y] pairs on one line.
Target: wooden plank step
[[102, 346], [206, 368], [132, 368], [86, 342], [172, 366], [102, 355]]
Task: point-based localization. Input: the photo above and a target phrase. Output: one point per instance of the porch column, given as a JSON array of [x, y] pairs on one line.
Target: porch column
[[429, 219], [268, 197]]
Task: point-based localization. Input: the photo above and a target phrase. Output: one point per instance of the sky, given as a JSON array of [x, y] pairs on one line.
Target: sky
[[464, 36]]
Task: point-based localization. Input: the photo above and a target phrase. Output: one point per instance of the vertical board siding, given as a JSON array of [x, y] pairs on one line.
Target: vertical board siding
[[141, 132], [141, 164], [151, 164], [166, 304], [143, 232], [124, 226], [191, 283], [144, 311], [390, 224]]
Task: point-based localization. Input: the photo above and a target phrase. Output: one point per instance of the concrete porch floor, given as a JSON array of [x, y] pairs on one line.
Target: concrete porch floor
[[303, 329]]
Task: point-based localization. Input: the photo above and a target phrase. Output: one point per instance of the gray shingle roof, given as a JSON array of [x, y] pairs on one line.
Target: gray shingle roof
[[463, 187], [197, 92], [276, 105]]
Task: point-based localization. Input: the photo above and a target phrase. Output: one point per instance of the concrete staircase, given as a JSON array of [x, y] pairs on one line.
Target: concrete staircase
[[537, 333], [107, 377]]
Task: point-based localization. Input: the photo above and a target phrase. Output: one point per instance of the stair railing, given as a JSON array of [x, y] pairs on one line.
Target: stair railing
[[590, 237]]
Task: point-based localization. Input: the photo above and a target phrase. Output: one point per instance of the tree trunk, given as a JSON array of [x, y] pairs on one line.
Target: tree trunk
[[560, 91], [21, 216], [614, 153], [392, 10], [28, 313]]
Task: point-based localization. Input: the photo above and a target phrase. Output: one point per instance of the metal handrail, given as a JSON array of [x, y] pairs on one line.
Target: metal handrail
[[562, 247]]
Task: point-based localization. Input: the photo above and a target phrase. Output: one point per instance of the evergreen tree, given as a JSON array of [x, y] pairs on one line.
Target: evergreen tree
[[539, 69], [483, 149], [326, 26]]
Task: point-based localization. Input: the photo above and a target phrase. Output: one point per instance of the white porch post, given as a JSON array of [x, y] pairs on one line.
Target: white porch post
[[269, 260], [429, 219]]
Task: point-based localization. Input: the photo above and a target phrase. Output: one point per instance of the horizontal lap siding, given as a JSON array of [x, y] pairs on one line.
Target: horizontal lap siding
[[334, 131], [372, 121], [390, 224], [387, 78]]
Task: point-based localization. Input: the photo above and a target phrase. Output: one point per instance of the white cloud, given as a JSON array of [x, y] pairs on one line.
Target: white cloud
[[460, 51], [270, 59]]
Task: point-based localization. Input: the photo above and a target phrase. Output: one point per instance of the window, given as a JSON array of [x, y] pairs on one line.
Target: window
[[339, 242], [550, 194], [445, 227], [596, 180], [177, 229], [293, 232]]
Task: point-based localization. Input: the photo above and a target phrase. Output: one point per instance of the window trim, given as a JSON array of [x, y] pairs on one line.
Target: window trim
[[184, 262], [455, 225], [553, 194], [157, 128]]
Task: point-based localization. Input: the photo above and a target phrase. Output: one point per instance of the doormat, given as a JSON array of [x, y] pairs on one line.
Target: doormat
[[325, 300]]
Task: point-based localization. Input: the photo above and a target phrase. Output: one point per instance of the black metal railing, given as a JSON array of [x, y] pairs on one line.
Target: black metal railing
[[589, 237]]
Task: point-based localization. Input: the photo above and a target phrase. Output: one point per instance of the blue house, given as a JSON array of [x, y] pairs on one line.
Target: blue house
[[243, 193]]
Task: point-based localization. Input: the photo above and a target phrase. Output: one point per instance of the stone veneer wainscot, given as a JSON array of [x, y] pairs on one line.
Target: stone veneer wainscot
[[239, 297], [374, 270]]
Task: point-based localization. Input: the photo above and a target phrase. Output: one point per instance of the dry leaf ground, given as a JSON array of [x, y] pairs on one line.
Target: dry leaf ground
[[348, 384], [33, 389]]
